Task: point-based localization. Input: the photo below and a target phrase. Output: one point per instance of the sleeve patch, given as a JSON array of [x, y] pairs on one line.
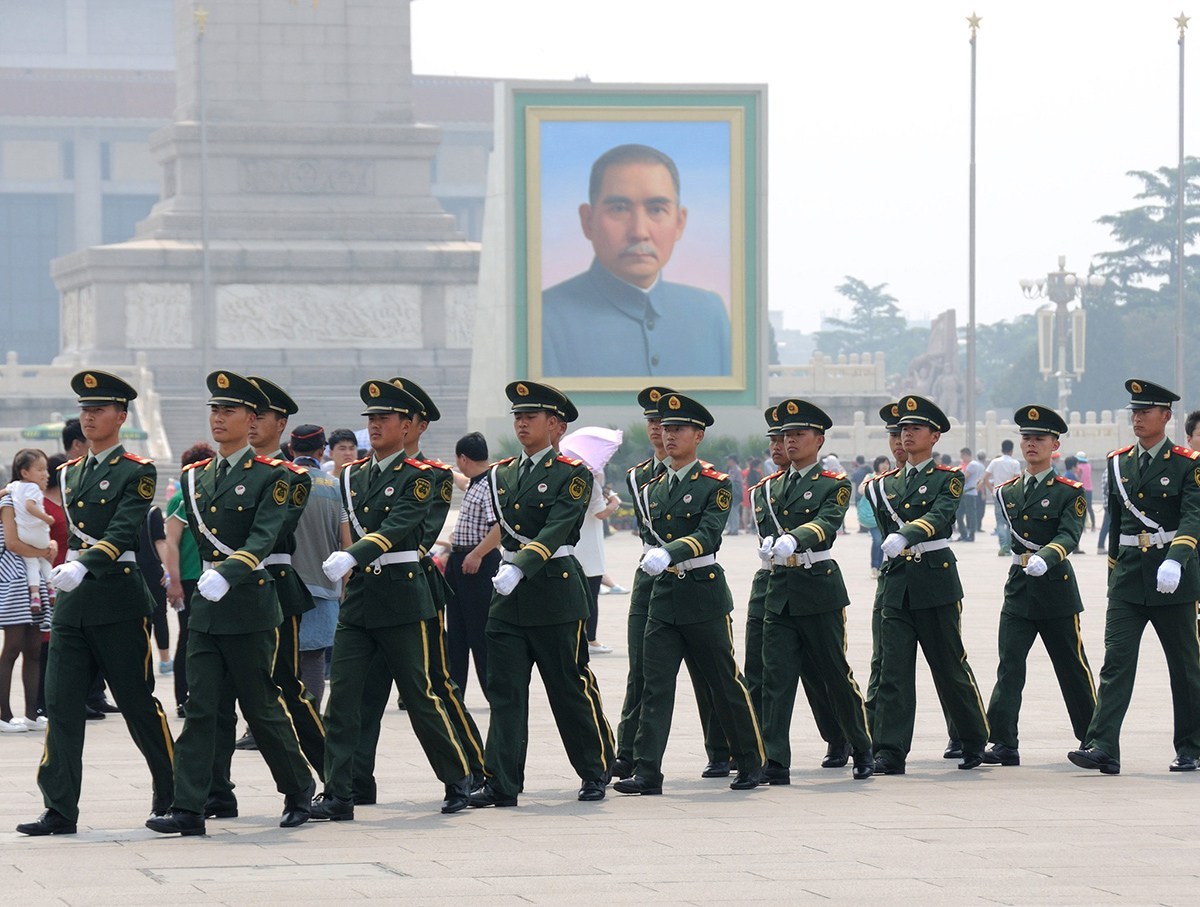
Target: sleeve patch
[[145, 488], [279, 493], [422, 488], [724, 498], [448, 490], [299, 495], [577, 488], [956, 486], [843, 496], [1080, 506]]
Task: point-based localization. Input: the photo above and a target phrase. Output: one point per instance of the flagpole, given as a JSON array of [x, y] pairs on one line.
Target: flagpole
[[973, 22], [1180, 201]]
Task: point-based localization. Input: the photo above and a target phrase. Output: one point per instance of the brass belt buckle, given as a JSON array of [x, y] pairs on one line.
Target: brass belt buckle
[[791, 561], [1024, 559], [1144, 540]]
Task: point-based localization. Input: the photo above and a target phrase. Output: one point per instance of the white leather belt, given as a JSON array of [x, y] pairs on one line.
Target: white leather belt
[[805, 559], [209, 565], [393, 557], [921, 547], [1144, 540], [561, 551], [127, 556], [1022, 560], [274, 560], [694, 563]]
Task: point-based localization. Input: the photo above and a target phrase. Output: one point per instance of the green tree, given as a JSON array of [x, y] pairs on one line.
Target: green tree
[[875, 325]]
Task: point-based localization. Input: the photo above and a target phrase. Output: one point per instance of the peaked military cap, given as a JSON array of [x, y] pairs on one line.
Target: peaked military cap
[[1039, 420], [795, 413], [676, 409], [277, 398], [231, 389], [1145, 394], [890, 414], [648, 400], [531, 397], [771, 414], [916, 410], [428, 407], [384, 397], [100, 389]]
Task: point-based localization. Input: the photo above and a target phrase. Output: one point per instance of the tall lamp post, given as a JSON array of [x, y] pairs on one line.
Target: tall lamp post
[[1059, 327]]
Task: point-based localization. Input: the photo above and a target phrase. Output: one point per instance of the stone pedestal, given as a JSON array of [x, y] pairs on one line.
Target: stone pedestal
[[330, 260]]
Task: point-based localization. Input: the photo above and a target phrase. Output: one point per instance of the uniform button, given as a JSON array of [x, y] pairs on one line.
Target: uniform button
[[212, 509], [102, 501], [239, 509], [654, 360], [80, 524], [712, 576], [365, 509], [80, 504], [216, 554], [126, 569], [262, 582], [906, 506], [566, 576], [516, 506], [410, 574], [1140, 495], [1025, 517], [517, 527], [669, 535], [213, 530], [650, 324], [785, 513], [668, 516]]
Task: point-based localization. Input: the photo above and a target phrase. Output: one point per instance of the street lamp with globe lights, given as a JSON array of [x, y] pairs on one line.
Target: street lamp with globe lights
[[1058, 327]]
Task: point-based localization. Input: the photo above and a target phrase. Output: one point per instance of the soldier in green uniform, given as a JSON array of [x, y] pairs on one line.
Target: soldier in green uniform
[[690, 604], [538, 612], [837, 751], [715, 744], [379, 682], [875, 490], [1153, 577], [1041, 597], [237, 504], [100, 614], [805, 630], [387, 606], [922, 597], [294, 600]]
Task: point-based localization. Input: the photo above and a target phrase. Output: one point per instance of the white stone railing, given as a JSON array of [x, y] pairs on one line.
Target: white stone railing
[[853, 374]]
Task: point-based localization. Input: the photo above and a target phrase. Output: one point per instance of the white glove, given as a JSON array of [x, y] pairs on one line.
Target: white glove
[[337, 564], [1169, 573], [655, 561], [1035, 566], [68, 576], [212, 585], [784, 548], [894, 544], [506, 578], [764, 550]]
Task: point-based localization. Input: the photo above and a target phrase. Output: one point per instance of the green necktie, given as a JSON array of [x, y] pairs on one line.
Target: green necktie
[[1030, 488], [373, 475], [1144, 462], [222, 471], [526, 469], [673, 483]]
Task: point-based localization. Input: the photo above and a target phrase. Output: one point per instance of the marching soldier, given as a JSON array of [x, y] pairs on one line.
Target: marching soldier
[[922, 597], [837, 752], [715, 744], [1041, 598], [690, 604], [1153, 577], [540, 607], [294, 601], [237, 504], [101, 612], [805, 630], [379, 686], [387, 605]]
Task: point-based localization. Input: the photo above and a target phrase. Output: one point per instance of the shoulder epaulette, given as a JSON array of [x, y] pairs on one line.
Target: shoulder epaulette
[[948, 468], [137, 458], [438, 464], [199, 464], [1071, 482], [70, 463], [420, 464], [890, 472], [704, 464], [646, 462], [833, 475], [709, 472], [359, 462], [503, 462], [1117, 453], [570, 461], [1177, 449], [292, 467], [1014, 479], [765, 479], [269, 461]]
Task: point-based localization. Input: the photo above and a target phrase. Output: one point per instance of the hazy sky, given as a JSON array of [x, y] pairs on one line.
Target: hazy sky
[[868, 111]]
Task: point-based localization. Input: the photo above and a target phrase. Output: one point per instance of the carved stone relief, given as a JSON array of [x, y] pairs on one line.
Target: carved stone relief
[[318, 316]]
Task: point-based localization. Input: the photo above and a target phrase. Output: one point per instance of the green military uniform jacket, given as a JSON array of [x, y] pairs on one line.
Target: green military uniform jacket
[[811, 509], [245, 515], [548, 510], [294, 597], [757, 606], [109, 506], [926, 506], [1051, 518], [637, 478], [688, 523], [387, 517], [435, 520], [1169, 494]]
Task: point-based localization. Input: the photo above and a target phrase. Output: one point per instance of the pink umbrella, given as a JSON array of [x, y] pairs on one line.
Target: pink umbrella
[[592, 444]]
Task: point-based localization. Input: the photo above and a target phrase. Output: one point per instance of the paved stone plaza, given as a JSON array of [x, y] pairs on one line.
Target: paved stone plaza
[[1041, 833]]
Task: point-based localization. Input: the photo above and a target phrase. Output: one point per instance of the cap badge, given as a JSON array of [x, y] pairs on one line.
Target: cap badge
[[895, 409], [673, 402], [792, 408], [373, 390], [655, 395], [1135, 387], [522, 390], [1033, 414], [89, 381], [910, 404], [223, 381], [775, 414], [398, 383]]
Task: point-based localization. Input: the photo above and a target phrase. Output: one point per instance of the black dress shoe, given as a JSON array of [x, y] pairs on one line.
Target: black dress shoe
[[91, 714], [160, 806], [999, 754], [972, 758], [458, 795], [1093, 758], [953, 750], [297, 808], [864, 766], [747, 779], [621, 768], [637, 785], [836, 755], [400, 704], [716, 769], [50, 822], [1183, 763], [103, 705], [593, 790], [181, 711], [333, 809], [774, 773], [886, 765], [489, 796], [246, 742], [221, 806], [177, 822]]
